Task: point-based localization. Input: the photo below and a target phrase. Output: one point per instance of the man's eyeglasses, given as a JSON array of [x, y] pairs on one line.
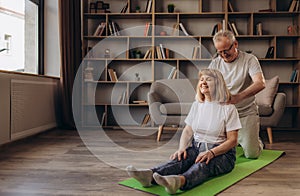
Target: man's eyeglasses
[[225, 51]]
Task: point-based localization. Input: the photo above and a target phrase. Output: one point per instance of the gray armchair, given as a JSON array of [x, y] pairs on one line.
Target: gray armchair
[[170, 101], [271, 105]]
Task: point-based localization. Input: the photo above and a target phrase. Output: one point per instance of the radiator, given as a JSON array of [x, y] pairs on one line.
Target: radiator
[[32, 107]]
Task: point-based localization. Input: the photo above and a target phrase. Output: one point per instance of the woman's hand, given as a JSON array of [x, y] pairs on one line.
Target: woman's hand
[[178, 154], [205, 156]]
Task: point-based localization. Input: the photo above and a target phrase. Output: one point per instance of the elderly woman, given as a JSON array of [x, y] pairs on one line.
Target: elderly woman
[[208, 141]]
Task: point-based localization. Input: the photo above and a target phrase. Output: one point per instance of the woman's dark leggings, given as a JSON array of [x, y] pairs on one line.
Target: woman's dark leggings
[[197, 173]]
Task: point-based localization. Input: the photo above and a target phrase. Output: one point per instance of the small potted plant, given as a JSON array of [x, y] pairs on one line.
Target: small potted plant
[[138, 9], [171, 8], [138, 54], [137, 77]]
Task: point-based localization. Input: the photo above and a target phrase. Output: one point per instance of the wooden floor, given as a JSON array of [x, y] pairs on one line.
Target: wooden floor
[[57, 162]]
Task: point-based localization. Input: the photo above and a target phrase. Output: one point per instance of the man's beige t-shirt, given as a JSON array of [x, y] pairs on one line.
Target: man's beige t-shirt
[[237, 76]]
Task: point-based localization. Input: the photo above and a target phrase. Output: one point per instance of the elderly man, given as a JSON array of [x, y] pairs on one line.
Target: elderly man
[[244, 78]]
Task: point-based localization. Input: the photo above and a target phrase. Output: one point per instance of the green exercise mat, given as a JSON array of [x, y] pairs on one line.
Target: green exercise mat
[[243, 168]]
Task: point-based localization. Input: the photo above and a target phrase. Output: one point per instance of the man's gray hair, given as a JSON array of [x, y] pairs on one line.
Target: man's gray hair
[[217, 37]]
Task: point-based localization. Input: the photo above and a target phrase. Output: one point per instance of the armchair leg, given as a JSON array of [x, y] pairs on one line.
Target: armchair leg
[[270, 135], [160, 130]]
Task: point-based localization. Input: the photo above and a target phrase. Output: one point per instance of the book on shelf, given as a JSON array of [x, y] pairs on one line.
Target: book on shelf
[[296, 79], [168, 53], [218, 27], [145, 120], [113, 28], [294, 76], [148, 29], [259, 30], [172, 74], [100, 29], [230, 7], [122, 98], [183, 29], [158, 52], [110, 28], [230, 28], [234, 28], [175, 30], [148, 54], [139, 101], [224, 25], [116, 28], [103, 118], [297, 7], [196, 52], [124, 9], [96, 32], [162, 51], [112, 75], [148, 6], [270, 52], [294, 6], [115, 76]]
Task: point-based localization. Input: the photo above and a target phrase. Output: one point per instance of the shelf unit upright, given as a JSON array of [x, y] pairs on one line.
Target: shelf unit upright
[[129, 35]]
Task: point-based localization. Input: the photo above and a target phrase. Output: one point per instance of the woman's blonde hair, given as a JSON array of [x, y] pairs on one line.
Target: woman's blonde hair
[[222, 93]]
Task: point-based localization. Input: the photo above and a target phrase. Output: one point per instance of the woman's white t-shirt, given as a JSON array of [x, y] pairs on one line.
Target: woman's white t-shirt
[[211, 120]]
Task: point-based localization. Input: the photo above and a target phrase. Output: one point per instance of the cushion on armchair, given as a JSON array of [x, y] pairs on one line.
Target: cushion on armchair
[[265, 98]]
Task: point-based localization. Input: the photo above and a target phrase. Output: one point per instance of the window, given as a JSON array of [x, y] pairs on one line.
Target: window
[[21, 36]]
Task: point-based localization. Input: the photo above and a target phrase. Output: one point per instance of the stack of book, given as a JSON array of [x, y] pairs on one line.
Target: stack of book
[[294, 6], [161, 52], [100, 29], [114, 28]]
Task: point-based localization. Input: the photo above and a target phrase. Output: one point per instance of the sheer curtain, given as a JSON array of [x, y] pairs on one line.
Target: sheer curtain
[[70, 47]]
